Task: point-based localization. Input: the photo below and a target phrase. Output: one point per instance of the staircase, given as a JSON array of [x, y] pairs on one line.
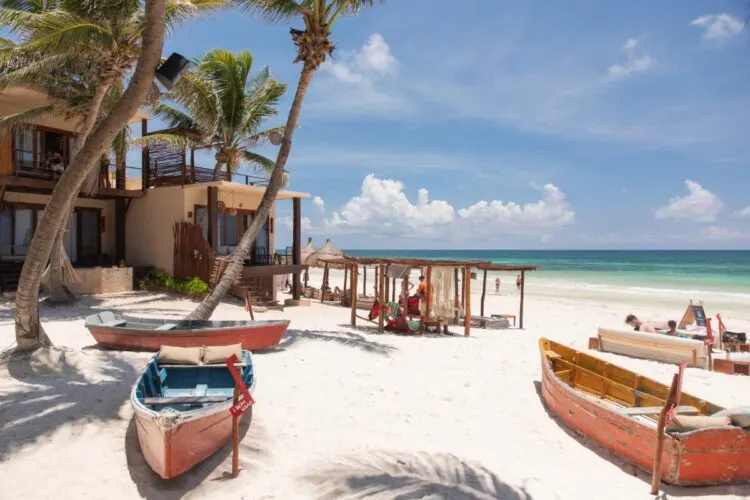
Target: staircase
[[10, 273]]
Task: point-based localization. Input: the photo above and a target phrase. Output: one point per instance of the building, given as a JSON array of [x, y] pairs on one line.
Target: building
[[131, 225]]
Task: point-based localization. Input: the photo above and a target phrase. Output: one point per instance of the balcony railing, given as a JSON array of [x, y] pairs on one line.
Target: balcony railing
[[27, 164], [179, 175]]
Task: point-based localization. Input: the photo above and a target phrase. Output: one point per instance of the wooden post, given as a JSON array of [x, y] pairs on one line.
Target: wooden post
[[520, 312], [364, 281], [381, 298], [324, 285], [236, 436], [393, 292], [296, 245], [346, 275], [661, 423], [355, 273], [484, 292], [120, 232], [387, 285], [145, 167], [467, 299], [213, 217], [428, 294], [463, 289], [455, 295], [377, 282]]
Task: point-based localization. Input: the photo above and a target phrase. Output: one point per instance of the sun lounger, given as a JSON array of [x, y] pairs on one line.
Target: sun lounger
[[492, 322], [655, 346]]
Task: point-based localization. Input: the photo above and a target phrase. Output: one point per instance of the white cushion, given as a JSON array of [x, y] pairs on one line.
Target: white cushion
[[165, 326]]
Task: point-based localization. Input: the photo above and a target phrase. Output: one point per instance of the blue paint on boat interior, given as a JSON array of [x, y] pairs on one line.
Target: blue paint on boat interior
[[112, 320], [189, 380]]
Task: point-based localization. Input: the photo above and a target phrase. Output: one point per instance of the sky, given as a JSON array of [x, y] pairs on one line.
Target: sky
[[516, 124]]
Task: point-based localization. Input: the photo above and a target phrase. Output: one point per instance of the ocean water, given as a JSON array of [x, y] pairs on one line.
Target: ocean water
[[723, 277]]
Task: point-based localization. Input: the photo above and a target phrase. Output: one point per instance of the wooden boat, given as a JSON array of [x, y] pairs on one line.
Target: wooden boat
[[182, 412], [668, 349], [618, 409], [113, 331]]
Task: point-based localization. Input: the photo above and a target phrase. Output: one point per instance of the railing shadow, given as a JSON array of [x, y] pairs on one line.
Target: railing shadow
[[667, 491], [55, 393], [409, 476], [345, 339]]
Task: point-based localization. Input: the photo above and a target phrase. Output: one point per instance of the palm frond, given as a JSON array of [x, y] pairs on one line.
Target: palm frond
[[62, 31], [31, 72], [7, 122], [199, 96], [175, 141], [346, 8], [264, 137], [272, 11], [263, 96], [179, 11], [174, 118], [258, 162], [229, 73]]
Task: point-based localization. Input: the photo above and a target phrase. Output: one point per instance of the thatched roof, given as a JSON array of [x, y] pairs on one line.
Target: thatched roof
[[307, 250], [328, 253]]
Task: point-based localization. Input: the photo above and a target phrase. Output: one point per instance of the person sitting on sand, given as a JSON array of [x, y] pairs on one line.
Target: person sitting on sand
[[638, 324]]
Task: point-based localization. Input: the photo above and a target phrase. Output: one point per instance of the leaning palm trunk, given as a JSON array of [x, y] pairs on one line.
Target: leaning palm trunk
[[28, 329], [206, 308]]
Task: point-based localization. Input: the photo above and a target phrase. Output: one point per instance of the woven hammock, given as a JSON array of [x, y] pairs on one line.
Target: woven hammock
[[443, 296]]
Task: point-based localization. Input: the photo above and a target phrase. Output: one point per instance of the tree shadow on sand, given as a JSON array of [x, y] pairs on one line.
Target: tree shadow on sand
[[667, 491], [373, 330], [55, 394], [403, 476], [345, 339], [216, 468]]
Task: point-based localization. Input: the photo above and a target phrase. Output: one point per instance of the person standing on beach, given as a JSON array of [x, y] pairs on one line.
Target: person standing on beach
[[497, 285], [519, 280]]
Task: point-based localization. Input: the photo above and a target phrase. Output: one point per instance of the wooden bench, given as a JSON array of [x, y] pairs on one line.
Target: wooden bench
[[437, 323], [186, 400], [506, 316], [655, 410]]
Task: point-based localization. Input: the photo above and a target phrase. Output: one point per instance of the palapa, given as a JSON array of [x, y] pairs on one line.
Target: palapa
[[329, 254]]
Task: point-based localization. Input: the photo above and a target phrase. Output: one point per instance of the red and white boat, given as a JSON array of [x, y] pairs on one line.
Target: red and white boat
[[146, 334]]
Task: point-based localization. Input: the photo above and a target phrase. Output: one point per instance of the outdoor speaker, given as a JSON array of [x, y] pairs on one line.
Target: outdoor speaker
[[169, 72]]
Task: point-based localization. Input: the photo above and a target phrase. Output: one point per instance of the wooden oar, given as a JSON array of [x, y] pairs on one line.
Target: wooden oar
[[665, 416]]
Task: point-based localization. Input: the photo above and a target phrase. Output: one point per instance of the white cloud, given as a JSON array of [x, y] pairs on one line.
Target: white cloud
[[699, 204], [319, 203], [372, 61], [719, 26], [744, 212], [383, 207], [306, 223], [719, 233], [638, 61]]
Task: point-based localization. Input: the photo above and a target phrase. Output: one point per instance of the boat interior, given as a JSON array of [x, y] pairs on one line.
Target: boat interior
[[107, 318], [617, 388], [189, 387]]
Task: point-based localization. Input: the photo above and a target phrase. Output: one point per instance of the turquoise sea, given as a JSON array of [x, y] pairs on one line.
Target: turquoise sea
[[722, 277]]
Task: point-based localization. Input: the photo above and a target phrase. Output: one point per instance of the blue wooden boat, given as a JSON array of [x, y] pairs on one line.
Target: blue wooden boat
[[182, 412]]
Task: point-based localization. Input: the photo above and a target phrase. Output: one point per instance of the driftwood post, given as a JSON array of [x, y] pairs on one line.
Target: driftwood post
[[428, 294], [455, 295], [346, 275], [355, 273], [672, 402], [520, 312], [463, 289], [393, 291], [467, 301], [325, 283], [484, 292], [236, 435], [364, 281]]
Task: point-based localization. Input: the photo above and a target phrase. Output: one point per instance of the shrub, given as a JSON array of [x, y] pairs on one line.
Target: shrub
[[158, 280]]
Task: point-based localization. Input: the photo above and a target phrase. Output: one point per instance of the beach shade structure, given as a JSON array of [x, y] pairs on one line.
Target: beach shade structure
[[327, 256], [306, 251]]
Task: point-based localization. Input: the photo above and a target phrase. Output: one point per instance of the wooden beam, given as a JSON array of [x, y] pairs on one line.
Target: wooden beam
[[296, 244], [364, 281], [346, 275], [520, 312], [463, 288], [455, 295], [324, 285], [277, 270], [428, 293], [381, 298], [393, 291], [145, 166], [467, 298], [484, 292], [355, 275], [213, 216]]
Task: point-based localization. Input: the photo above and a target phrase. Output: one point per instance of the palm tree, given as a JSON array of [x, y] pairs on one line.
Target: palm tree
[[79, 53], [313, 47], [59, 33], [225, 109]]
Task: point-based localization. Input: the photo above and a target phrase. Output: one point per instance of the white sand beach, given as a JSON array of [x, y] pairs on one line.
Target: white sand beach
[[340, 413]]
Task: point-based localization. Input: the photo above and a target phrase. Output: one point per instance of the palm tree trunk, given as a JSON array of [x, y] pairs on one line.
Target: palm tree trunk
[[28, 328], [217, 169], [206, 308], [59, 259]]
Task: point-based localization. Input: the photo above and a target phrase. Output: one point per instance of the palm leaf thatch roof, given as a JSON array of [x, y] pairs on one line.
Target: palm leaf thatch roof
[[327, 254], [307, 250]]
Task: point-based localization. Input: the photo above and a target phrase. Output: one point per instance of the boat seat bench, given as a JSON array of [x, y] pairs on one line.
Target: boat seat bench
[[211, 365], [165, 326], [185, 400], [655, 410]]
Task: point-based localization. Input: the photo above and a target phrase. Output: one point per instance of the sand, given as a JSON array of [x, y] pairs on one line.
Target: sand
[[340, 413]]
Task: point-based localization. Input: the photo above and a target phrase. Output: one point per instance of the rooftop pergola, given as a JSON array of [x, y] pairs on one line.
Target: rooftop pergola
[[382, 266]]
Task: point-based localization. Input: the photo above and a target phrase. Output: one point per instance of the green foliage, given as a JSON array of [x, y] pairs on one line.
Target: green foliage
[[158, 280]]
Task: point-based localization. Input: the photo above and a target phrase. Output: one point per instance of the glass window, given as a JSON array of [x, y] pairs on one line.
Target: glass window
[[230, 223], [261, 244], [24, 230], [89, 250], [6, 228], [24, 145], [71, 240], [201, 219]]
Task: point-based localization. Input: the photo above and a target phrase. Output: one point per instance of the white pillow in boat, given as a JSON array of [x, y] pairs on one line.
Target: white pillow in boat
[[739, 415], [180, 355], [219, 353], [686, 423]]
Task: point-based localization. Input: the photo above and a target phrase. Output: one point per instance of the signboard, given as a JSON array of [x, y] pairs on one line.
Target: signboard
[[245, 400]]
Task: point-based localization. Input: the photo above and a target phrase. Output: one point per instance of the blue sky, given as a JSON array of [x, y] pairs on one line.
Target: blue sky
[[517, 124]]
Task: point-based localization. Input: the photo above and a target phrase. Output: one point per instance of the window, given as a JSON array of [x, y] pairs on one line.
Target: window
[[201, 219], [24, 219], [229, 222], [6, 232]]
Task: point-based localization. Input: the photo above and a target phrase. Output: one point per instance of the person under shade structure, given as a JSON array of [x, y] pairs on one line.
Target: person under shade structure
[[497, 285]]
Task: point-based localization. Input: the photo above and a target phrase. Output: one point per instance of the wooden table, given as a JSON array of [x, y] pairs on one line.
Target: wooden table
[[506, 316], [426, 324]]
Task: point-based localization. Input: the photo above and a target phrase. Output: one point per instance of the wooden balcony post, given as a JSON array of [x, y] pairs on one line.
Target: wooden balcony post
[[213, 216], [145, 166], [120, 245], [296, 245]]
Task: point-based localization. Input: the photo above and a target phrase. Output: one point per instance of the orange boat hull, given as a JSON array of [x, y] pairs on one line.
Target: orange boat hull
[[706, 457], [251, 338], [174, 451]]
